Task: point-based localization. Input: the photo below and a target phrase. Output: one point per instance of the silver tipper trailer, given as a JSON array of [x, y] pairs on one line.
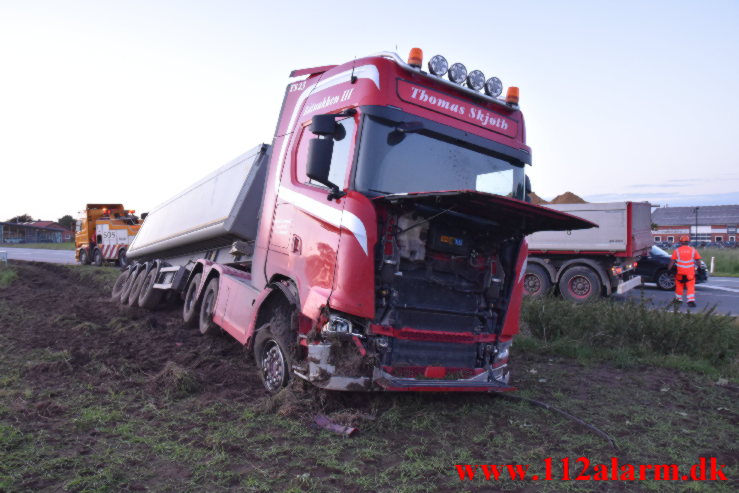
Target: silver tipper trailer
[[216, 218], [584, 264]]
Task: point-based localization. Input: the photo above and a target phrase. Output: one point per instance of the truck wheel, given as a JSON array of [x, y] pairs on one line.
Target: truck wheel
[[122, 259], [97, 257], [133, 296], [120, 283], [207, 326], [665, 280], [536, 281], [84, 257], [129, 285], [274, 348], [580, 284], [150, 297], [191, 307]]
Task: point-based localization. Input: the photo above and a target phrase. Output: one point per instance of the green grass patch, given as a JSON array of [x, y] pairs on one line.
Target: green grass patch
[[726, 260], [68, 245], [7, 276], [631, 331]]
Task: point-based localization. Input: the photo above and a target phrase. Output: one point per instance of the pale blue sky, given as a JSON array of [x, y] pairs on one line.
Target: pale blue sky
[[133, 100]]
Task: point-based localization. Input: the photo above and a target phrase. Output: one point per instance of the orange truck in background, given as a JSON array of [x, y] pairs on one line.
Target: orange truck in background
[[103, 234]]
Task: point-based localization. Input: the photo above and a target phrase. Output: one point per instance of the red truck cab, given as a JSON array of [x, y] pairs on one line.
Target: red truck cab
[[390, 249]]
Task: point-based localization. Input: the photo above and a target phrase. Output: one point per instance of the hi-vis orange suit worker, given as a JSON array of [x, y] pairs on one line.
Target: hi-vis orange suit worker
[[685, 257]]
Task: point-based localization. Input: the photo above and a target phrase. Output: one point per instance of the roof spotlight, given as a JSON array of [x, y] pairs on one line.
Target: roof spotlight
[[493, 87], [476, 80], [438, 65], [457, 73]]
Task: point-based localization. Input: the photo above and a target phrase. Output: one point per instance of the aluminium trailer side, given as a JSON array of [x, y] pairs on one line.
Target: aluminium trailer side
[[209, 216], [216, 219]]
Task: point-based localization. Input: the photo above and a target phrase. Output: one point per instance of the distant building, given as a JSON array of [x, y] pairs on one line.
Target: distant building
[[67, 235], [31, 233], [711, 223]]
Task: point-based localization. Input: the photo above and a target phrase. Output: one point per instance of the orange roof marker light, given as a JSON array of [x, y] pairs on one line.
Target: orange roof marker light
[[415, 58], [132, 212], [512, 96]]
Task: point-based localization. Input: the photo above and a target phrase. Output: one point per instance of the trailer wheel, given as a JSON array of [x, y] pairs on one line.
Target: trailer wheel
[[84, 257], [129, 285], [580, 284], [207, 326], [120, 283], [191, 307], [97, 257], [133, 296], [536, 281], [150, 297], [274, 348], [122, 259], [665, 280]]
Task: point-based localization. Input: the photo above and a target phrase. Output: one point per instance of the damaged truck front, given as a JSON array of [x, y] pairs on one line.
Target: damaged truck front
[[387, 250]]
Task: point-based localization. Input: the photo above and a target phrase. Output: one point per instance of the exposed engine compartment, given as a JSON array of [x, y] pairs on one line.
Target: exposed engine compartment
[[447, 276]]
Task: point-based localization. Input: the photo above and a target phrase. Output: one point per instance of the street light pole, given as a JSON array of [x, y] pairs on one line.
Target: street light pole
[[695, 238]]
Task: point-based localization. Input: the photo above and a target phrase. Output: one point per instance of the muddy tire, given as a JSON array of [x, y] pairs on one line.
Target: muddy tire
[[120, 283], [84, 257], [122, 259], [129, 285], [275, 348], [191, 307], [97, 257], [149, 297], [580, 284], [536, 281], [133, 296], [665, 280], [207, 305]]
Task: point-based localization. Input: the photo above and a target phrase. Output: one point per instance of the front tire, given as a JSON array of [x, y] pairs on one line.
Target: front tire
[[665, 280], [580, 284], [275, 347], [84, 257]]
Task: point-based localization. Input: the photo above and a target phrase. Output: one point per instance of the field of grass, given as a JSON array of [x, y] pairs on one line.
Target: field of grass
[[631, 332], [96, 397], [68, 245], [7, 276], [726, 260]]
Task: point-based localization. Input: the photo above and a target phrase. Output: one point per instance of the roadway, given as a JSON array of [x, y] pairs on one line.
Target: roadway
[[41, 255], [721, 292]]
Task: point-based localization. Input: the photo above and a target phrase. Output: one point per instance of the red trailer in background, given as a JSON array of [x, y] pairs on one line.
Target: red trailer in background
[[377, 243]]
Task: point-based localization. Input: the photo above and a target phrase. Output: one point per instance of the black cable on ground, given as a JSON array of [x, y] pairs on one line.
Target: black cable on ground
[[567, 415]]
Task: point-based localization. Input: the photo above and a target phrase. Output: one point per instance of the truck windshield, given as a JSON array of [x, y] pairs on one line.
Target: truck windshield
[[393, 161]]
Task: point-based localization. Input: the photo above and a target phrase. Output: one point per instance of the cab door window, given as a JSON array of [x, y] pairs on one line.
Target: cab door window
[[340, 159]]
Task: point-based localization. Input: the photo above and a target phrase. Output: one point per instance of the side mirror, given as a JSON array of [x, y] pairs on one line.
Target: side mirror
[[319, 160]]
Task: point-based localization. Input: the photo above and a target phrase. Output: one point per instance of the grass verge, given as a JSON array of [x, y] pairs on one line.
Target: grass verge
[[631, 332], [7, 276]]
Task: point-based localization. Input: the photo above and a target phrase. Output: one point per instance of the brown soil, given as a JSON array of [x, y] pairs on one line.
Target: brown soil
[[535, 199], [568, 198]]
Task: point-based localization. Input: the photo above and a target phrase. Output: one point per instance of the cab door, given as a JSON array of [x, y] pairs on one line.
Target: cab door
[[306, 225]]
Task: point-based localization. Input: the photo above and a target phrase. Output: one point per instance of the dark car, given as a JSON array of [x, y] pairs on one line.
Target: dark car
[[653, 268]]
